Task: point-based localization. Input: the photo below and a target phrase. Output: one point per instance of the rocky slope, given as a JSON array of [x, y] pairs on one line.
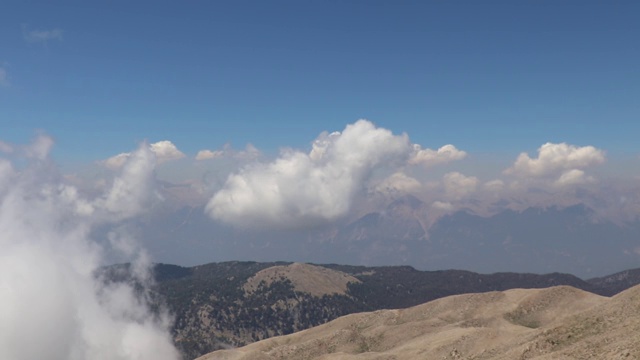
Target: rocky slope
[[554, 323], [232, 304]]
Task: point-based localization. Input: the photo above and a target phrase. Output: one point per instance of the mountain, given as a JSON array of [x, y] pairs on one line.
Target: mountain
[[553, 323], [570, 240], [230, 304], [615, 283], [407, 232]]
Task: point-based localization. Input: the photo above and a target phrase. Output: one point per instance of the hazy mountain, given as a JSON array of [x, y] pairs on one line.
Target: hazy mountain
[[554, 323], [615, 283], [538, 240]]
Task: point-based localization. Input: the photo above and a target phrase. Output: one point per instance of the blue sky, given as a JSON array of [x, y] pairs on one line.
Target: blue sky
[[494, 76], [506, 105]]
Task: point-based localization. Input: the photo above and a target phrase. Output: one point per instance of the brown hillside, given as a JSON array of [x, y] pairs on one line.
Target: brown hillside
[[554, 323], [307, 278]]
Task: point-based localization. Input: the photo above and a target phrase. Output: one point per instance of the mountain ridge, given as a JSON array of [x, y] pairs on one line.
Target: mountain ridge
[[408, 231], [213, 310], [560, 322]]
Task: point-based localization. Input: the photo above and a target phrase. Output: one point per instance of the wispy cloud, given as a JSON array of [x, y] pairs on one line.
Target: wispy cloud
[[4, 77], [41, 36]]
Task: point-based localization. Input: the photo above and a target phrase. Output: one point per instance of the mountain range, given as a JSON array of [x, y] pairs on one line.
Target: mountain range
[[230, 304], [572, 239]]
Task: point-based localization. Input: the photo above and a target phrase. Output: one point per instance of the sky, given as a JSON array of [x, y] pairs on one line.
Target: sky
[[495, 77], [199, 131]]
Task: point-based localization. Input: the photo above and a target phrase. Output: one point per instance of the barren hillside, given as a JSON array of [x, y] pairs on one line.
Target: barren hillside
[[306, 278], [554, 323]]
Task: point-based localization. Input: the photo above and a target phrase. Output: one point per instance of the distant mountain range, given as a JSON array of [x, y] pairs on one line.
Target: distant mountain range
[[235, 303], [538, 240]]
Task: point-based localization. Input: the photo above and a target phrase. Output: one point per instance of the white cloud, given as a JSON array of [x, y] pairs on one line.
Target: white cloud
[[208, 154], [40, 148], [164, 151], [556, 158], [47, 249], [42, 36], [116, 162], [322, 143], [132, 189], [429, 157], [298, 187], [573, 177], [457, 185]]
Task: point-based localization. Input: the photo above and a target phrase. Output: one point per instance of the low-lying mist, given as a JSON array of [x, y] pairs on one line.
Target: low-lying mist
[[52, 305]]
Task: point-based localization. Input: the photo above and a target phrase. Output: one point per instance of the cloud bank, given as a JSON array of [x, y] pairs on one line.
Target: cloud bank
[[302, 188], [51, 304], [555, 158], [562, 164]]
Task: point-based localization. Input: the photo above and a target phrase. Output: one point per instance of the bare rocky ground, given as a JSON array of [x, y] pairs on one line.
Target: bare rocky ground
[[554, 323], [311, 279]]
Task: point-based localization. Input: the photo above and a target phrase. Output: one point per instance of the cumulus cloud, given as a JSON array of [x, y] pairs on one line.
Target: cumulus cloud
[[47, 249], [301, 187], [40, 147], [131, 191], [208, 154], [166, 151], [556, 166], [116, 162], [41, 36], [457, 185], [573, 177], [554, 159], [429, 157], [163, 151]]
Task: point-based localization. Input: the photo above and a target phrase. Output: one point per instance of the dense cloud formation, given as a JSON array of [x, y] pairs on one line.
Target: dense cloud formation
[[299, 188], [562, 162], [51, 305], [303, 187], [457, 185]]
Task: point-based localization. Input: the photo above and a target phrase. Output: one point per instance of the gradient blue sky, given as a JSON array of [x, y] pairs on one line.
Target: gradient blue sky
[[487, 76]]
